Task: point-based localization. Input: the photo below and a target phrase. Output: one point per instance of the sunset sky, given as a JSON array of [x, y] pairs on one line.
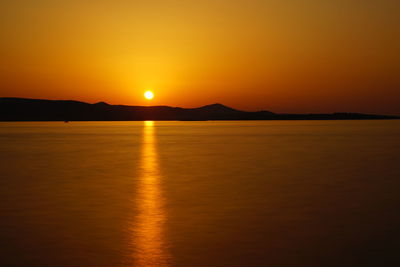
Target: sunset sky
[[278, 55]]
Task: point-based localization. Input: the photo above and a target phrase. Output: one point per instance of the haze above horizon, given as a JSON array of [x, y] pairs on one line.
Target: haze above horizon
[[286, 56]]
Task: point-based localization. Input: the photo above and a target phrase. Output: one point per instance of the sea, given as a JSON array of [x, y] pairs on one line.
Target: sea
[[200, 193]]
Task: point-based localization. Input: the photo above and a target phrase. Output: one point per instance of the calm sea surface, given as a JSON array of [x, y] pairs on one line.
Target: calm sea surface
[[264, 193]]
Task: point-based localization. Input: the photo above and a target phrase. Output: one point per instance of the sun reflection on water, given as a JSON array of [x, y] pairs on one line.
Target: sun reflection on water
[[149, 241]]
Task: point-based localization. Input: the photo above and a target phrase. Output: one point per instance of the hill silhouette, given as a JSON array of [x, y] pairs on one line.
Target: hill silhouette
[[23, 109]]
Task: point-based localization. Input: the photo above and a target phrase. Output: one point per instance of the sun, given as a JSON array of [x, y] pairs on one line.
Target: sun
[[148, 95]]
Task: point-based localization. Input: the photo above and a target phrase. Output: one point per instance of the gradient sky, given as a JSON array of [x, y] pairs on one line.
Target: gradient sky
[[278, 55]]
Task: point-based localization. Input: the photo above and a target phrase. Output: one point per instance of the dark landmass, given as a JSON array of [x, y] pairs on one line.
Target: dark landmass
[[22, 109]]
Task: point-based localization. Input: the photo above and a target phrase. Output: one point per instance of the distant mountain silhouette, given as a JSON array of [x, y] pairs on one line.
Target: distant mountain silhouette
[[217, 108], [23, 109]]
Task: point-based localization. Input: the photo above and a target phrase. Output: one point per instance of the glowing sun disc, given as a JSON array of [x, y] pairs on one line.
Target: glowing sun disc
[[149, 95]]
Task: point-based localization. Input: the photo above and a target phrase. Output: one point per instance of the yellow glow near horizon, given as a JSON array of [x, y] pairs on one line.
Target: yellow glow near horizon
[[149, 95]]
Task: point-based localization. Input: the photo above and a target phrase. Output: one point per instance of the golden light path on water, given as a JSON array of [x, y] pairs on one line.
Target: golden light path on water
[[148, 233]]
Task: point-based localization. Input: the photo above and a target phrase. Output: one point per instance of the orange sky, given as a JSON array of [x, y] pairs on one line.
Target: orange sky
[[278, 55]]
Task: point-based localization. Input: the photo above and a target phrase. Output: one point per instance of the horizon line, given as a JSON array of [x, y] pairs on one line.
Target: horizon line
[[202, 106]]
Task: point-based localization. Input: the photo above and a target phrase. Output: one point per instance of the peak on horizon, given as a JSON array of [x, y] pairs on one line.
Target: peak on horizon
[[218, 106]]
